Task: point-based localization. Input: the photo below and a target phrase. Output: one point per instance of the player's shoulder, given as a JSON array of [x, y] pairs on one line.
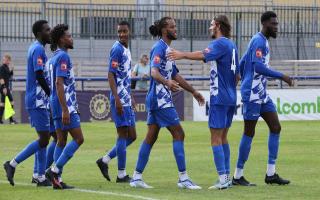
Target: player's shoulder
[[117, 47], [258, 39], [159, 46], [36, 47]]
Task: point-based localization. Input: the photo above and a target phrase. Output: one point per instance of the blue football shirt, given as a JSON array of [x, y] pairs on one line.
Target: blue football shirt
[[35, 96], [120, 66], [60, 66], [254, 85], [159, 96], [222, 55]]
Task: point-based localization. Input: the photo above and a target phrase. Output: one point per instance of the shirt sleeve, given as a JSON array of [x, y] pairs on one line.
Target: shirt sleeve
[[214, 51], [157, 57], [38, 59], [64, 66], [258, 51], [115, 59]]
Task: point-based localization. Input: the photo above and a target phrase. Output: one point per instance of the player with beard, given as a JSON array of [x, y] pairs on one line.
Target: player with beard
[[222, 55], [254, 69], [122, 103], [63, 103], [37, 104], [161, 111]]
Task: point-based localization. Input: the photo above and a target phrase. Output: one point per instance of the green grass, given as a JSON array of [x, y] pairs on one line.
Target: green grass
[[299, 159]]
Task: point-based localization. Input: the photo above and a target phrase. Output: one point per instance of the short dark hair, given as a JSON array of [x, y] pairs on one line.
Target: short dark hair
[[56, 33], [267, 15], [37, 26], [224, 23], [155, 28], [124, 23]]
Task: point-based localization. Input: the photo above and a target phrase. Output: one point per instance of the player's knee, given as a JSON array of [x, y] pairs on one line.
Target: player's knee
[[61, 143], [79, 140], [133, 137], [249, 134], [276, 128], [43, 142]]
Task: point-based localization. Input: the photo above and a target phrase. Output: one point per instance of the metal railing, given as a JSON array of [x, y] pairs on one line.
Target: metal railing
[[188, 78]]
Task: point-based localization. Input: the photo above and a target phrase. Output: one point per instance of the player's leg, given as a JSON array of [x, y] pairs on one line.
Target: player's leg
[[77, 140], [35, 169], [179, 154], [144, 153], [39, 120], [251, 114], [226, 152], [272, 120], [51, 148], [127, 120]]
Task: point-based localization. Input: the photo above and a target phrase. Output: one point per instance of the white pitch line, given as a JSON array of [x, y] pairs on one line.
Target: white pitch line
[[92, 191]]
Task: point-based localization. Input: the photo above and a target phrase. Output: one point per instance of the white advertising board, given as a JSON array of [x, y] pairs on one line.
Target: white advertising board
[[291, 104]]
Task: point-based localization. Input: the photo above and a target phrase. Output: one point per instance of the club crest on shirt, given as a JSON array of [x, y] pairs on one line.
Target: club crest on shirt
[[156, 59], [39, 61], [63, 66], [114, 64], [258, 53]]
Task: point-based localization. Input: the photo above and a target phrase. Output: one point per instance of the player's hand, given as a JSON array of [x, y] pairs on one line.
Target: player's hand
[[119, 106], [65, 116], [198, 96], [173, 85], [4, 91], [288, 80], [175, 55]]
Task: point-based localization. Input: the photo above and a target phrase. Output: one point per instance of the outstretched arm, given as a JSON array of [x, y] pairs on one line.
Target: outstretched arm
[[178, 55]]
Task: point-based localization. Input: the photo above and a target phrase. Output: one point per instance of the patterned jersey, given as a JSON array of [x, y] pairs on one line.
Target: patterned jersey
[[60, 66], [159, 96], [120, 66], [222, 55], [254, 85], [35, 96]]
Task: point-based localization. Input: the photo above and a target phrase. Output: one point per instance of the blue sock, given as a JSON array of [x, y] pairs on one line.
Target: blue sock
[[121, 153], [42, 159], [32, 148], [50, 152], [113, 153], [226, 151], [273, 146], [143, 157], [35, 167], [219, 159], [67, 153], [57, 153], [178, 150], [244, 150]]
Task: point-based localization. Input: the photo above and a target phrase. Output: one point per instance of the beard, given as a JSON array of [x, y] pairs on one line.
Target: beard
[[171, 36], [70, 46]]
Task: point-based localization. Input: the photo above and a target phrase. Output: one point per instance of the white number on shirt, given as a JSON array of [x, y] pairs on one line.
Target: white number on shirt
[[233, 63]]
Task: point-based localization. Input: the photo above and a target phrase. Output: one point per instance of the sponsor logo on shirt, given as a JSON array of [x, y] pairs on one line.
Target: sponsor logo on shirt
[[114, 64], [39, 61], [63, 66], [156, 59], [258, 53]]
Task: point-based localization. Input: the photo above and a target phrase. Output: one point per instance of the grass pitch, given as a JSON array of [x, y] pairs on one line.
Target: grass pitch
[[299, 159]]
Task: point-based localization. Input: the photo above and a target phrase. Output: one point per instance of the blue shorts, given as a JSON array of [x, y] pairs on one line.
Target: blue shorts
[[163, 117], [126, 119], [252, 111], [39, 119], [74, 122], [220, 116]]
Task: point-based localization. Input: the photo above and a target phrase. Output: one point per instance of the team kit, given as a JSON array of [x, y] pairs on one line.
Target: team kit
[[53, 108]]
